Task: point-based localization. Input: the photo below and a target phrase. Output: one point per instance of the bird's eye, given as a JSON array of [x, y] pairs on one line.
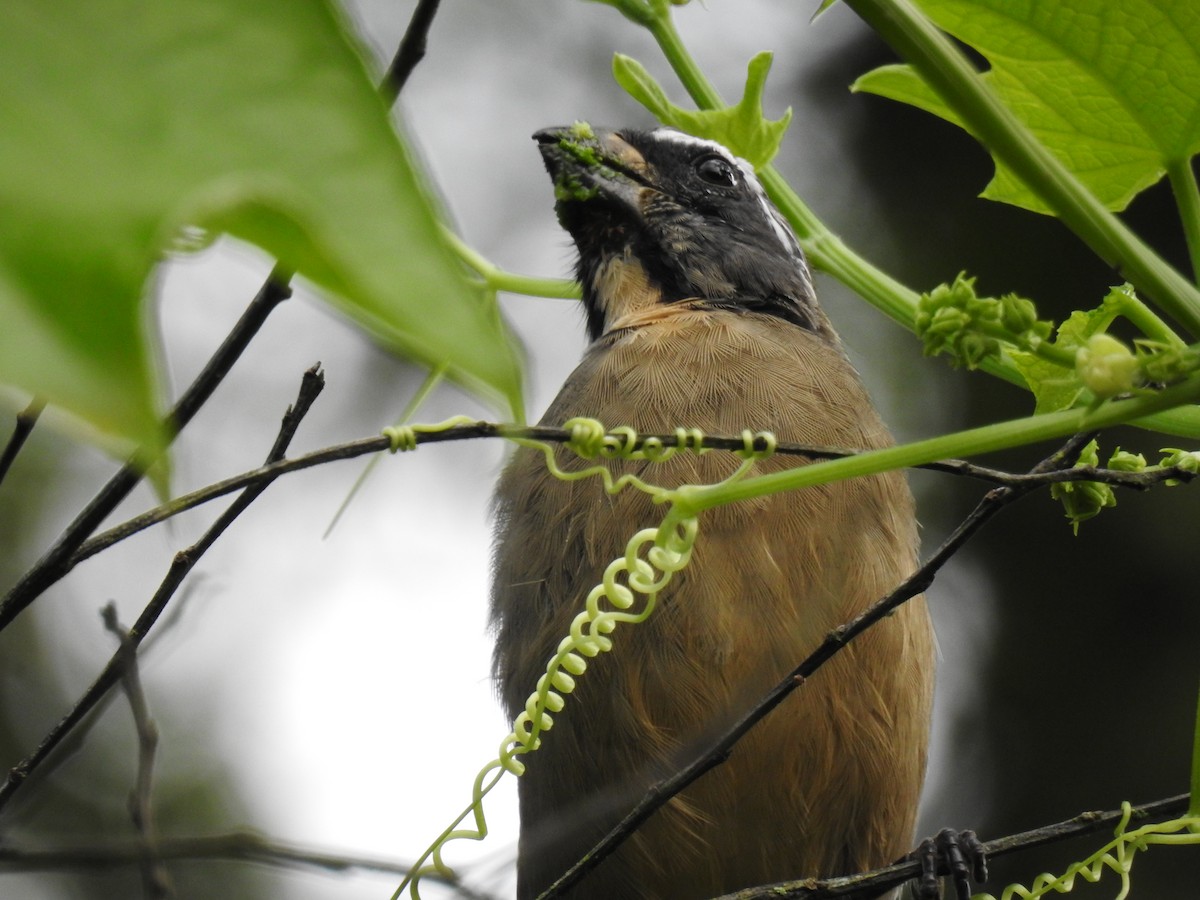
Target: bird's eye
[[716, 170]]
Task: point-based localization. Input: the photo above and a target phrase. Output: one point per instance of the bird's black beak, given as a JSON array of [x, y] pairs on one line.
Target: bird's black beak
[[591, 164]]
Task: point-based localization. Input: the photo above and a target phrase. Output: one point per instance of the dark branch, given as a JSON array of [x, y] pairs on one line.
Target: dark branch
[[410, 52], [183, 563], [58, 560], [870, 884], [363, 446], [156, 880], [26, 419], [719, 750], [238, 846]]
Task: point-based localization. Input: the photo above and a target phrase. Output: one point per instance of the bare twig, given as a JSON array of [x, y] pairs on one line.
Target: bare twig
[[870, 884], [237, 846], [719, 750], [410, 52], [58, 560], [156, 880], [26, 419], [352, 449], [183, 563]]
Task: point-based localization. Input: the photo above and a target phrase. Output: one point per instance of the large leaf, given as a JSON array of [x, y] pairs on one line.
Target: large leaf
[[126, 120], [1111, 87]]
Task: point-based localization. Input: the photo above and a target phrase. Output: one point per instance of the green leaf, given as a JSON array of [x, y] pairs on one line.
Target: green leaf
[[125, 121], [742, 128], [1053, 386], [1110, 87]]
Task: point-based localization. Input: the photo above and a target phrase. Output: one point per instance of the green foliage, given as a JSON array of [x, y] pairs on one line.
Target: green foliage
[[124, 124], [742, 128], [1083, 500], [1186, 460], [953, 319], [644, 12], [1109, 87], [1055, 387], [1081, 364]]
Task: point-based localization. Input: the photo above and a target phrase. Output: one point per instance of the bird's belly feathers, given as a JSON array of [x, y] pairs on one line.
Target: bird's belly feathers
[[829, 781]]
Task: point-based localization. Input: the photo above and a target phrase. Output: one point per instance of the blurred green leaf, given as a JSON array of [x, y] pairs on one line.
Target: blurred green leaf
[[125, 121], [1110, 87]]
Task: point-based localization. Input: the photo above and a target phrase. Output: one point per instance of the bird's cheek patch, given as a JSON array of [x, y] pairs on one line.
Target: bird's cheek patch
[[622, 287]]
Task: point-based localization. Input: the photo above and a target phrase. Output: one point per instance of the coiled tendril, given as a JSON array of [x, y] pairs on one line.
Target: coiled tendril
[[403, 438], [1116, 855], [651, 559]]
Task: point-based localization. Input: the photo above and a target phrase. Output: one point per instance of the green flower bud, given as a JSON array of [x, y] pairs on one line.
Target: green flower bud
[[1017, 314], [1106, 366], [1124, 461], [1186, 460], [974, 348], [1082, 500], [1165, 365]]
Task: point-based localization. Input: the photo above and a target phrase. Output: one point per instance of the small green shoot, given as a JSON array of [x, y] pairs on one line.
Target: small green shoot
[[742, 128]]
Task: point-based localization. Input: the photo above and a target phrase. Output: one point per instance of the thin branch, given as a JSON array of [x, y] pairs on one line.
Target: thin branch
[[871, 884], [60, 558], [26, 419], [352, 449], [719, 750], [156, 879], [410, 52], [236, 846], [183, 563]]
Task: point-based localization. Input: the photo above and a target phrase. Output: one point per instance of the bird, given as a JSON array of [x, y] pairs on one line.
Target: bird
[[701, 312]]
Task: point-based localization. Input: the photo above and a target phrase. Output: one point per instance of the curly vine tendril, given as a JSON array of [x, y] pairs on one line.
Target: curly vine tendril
[[650, 561], [1116, 855], [403, 438]]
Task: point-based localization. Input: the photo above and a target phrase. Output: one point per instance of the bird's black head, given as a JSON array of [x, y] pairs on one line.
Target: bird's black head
[[662, 217]]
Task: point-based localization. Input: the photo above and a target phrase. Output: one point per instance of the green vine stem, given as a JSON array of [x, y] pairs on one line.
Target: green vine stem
[[1187, 198], [498, 279], [985, 439], [948, 72], [829, 253], [826, 251], [1147, 320], [1194, 802]]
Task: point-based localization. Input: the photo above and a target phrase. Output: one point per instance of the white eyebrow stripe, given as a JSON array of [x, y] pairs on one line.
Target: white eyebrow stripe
[[678, 137]]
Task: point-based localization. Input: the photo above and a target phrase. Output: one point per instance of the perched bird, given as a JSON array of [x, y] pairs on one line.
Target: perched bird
[[701, 312]]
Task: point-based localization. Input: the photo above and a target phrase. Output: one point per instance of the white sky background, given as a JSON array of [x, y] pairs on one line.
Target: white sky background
[[348, 678]]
